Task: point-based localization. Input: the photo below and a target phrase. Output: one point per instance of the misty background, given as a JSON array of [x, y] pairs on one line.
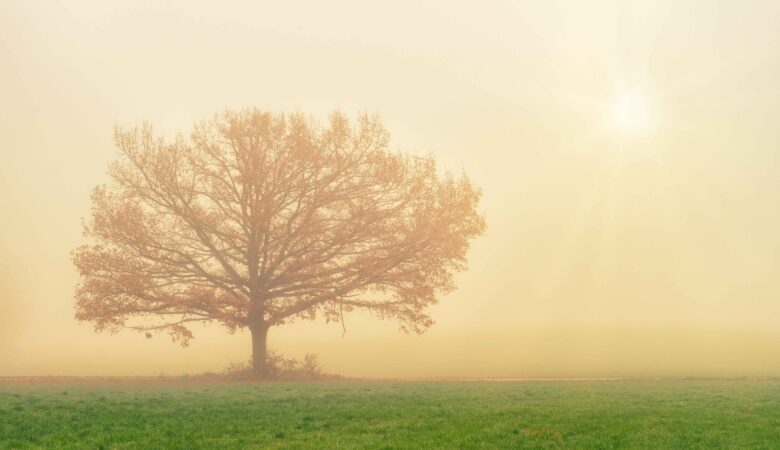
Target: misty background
[[607, 253]]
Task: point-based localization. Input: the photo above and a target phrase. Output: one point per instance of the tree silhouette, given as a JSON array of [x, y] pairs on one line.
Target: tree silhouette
[[259, 219]]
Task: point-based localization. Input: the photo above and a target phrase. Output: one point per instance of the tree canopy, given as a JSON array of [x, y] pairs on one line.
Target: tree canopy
[[258, 219]]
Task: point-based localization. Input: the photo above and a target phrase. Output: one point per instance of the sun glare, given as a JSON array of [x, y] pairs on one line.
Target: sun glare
[[630, 111]]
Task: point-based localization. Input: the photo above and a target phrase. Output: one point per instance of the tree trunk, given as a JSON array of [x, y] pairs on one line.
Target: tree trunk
[[260, 351]]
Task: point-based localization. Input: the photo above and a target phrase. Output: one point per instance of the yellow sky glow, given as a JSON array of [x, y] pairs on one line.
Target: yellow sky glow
[[627, 152]]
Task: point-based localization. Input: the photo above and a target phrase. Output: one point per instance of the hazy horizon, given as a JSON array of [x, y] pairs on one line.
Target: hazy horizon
[[612, 249]]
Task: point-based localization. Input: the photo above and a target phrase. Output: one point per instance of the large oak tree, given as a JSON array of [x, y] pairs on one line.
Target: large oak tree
[[258, 219]]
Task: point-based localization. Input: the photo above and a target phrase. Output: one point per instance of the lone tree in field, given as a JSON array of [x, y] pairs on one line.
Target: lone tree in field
[[259, 219]]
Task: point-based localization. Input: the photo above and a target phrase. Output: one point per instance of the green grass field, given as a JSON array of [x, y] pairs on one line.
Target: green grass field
[[530, 414]]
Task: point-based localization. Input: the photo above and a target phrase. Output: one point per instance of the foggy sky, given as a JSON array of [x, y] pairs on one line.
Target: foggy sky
[[652, 252]]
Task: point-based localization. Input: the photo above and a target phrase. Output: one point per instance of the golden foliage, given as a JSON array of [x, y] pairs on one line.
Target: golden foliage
[[261, 218]]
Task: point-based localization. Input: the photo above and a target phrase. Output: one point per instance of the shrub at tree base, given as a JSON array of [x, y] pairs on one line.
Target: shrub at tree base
[[281, 368]]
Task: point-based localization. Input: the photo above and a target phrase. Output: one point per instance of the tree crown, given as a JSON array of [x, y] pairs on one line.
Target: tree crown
[[259, 218]]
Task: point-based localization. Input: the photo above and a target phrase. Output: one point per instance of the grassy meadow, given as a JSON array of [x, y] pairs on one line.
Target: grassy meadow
[[356, 414]]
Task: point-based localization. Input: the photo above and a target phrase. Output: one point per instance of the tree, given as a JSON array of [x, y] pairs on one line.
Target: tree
[[259, 219]]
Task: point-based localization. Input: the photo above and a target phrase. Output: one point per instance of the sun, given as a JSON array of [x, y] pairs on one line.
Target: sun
[[630, 111]]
